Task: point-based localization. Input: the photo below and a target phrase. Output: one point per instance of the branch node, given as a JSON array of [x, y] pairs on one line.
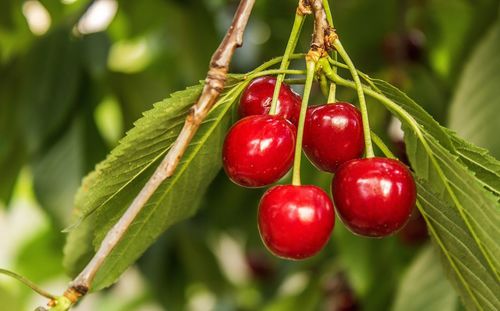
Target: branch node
[[330, 36], [315, 53], [304, 7], [74, 293]]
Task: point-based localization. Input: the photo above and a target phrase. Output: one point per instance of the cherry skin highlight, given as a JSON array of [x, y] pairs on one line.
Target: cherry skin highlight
[[295, 222], [257, 98], [333, 134], [374, 197], [258, 150]]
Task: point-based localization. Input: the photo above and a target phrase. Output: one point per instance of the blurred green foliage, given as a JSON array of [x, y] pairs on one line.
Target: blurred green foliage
[[66, 97]]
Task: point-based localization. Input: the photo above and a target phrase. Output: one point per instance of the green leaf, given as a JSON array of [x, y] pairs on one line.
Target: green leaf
[[424, 286], [108, 191], [478, 160], [463, 258], [476, 102], [469, 218]]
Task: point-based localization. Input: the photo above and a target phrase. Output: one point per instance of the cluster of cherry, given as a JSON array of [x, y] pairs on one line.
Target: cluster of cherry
[[374, 196]]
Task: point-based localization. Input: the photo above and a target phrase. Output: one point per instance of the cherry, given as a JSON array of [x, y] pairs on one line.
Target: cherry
[[258, 150], [295, 222], [257, 98], [333, 134], [374, 197]]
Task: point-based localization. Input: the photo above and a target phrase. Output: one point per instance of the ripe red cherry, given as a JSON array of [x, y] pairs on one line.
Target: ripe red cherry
[[258, 150], [295, 222], [333, 134], [257, 97], [374, 197]]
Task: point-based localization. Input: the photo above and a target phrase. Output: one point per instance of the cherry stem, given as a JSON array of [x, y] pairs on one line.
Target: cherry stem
[[333, 87], [361, 96], [328, 13], [276, 71], [332, 93], [276, 60], [311, 67], [28, 283], [363, 75], [285, 62], [323, 84]]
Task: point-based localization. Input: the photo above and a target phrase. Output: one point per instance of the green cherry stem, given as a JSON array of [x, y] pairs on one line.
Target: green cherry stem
[[362, 103], [332, 93], [333, 87], [323, 84], [28, 283], [328, 12], [275, 71], [363, 75], [311, 67], [285, 62], [274, 61]]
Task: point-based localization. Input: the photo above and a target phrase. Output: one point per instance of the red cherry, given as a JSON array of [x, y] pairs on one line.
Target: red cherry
[[258, 150], [257, 97], [333, 134], [374, 197], [295, 222]]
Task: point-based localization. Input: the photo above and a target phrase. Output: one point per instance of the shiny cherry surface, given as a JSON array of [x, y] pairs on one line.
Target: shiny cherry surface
[[258, 150], [333, 134], [257, 97], [374, 197], [295, 222]]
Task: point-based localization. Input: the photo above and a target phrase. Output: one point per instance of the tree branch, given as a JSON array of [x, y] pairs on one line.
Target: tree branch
[[214, 84], [323, 35]]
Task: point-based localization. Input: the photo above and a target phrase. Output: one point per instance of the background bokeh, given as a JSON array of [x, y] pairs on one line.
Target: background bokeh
[[75, 75]]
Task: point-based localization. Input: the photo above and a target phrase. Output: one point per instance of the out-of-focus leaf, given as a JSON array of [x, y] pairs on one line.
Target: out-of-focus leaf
[[367, 262], [59, 169], [95, 53], [183, 256], [12, 153], [6, 12], [11, 160], [8, 299], [308, 299], [58, 172], [424, 286], [50, 87], [135, 93], [427, 89], [476, 103], [108, 191], [347, 17], [199, 260], [463, 217], [40, 258], [161, 262]]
